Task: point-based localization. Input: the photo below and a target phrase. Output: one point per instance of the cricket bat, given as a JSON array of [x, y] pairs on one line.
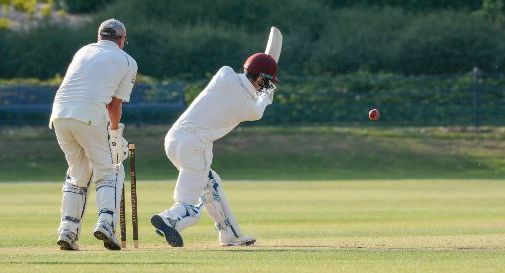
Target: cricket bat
[[274, 45]]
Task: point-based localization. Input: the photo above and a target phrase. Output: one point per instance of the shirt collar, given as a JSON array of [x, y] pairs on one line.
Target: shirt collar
[[246, 83], [108, 43]]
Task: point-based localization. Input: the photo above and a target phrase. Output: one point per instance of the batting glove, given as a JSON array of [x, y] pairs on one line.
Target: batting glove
[[118, 145]]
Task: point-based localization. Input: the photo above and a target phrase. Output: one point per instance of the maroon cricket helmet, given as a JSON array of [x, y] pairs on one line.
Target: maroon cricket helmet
[[263, 65]]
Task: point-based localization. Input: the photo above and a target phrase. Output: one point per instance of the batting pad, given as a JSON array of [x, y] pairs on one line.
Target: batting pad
[[181, 216], [73, 205], [217, 206], [108, 196]]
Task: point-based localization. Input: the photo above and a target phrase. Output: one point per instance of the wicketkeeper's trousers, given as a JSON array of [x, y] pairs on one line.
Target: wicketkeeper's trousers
[[86, 149]]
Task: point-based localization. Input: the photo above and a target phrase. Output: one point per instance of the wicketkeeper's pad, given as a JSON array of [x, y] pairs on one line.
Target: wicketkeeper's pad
[[72, 207]]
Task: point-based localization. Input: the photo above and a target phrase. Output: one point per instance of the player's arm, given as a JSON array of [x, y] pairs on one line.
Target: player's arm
[[253, 109], [274, 48], [118, 144], [263, 101], [115, 111], [125, 87]]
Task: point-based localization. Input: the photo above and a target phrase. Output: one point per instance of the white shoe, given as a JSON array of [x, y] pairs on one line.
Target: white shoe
[[67, 240], [227, 238], [103, 231]]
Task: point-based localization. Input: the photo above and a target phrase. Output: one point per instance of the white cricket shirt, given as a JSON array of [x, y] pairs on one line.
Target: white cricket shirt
[[98, 72], [228, 99]]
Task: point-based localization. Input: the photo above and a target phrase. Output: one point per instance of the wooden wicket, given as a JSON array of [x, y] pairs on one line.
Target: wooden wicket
[[122, 222], [133, 187]]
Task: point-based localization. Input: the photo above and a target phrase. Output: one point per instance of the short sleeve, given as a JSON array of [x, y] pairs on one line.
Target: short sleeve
[[125, 87]]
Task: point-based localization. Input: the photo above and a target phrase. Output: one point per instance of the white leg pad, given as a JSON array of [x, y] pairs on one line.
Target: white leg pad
[[181, 216], [73, 205], [218, 208], [108, 196]]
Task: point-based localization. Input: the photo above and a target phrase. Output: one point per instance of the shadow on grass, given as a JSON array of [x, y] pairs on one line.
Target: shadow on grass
[[322, 249]]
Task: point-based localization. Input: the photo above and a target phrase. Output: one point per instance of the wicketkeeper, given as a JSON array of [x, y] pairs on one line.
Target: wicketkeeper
[[229, 98], [85, 116]]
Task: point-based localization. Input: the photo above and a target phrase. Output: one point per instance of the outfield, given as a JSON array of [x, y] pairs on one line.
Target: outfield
[[302, 226], [291, 153]]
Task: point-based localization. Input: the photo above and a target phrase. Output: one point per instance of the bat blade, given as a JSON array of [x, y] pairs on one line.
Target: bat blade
[[274, 45]]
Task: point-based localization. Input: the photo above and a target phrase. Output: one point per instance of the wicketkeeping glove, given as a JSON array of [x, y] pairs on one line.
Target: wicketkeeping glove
[[118, 145]]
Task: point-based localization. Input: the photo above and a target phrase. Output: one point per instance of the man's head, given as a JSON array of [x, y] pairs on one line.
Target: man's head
[[113, 30], [261, 70]]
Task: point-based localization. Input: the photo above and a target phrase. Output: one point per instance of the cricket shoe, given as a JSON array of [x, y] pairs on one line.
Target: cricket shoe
[[166, 229], [103, 231], [227, 238], [67, 240]]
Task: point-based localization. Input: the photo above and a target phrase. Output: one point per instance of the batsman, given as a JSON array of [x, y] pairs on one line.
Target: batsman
[[229, 99], [85, 116]]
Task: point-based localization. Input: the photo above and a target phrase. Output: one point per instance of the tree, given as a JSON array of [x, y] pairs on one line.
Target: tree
[[492, 10]]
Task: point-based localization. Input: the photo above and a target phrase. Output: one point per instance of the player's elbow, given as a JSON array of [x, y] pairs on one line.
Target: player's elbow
[[115, 102], [115, 105], [257, 114]]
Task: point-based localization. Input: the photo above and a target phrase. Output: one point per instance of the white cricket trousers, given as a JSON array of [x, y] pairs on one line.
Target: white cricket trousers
[[86, 149], [192, 157]]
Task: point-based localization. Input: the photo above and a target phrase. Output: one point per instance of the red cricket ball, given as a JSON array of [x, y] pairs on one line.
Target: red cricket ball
[[373, 114]]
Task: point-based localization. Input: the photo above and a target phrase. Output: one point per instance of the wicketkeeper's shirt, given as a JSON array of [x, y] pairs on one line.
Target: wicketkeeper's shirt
[[228, 99], [98, 72]]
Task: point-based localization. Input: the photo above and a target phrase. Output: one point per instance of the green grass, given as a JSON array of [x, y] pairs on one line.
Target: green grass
[[302, 226], [292, 153]]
